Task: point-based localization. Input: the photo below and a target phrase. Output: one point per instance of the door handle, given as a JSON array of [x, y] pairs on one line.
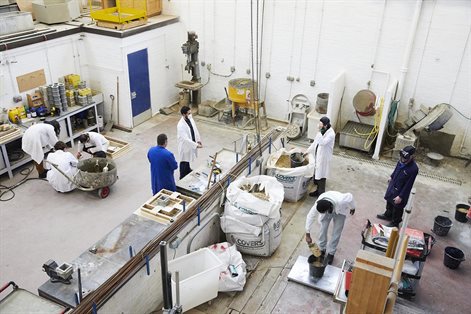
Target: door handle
[[133, 95]]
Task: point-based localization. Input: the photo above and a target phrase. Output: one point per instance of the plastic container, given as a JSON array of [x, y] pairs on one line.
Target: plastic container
[[453, 257], [199, 277], [100, 122], [297, 160], [321, 103], [461, 212], [442, 225]]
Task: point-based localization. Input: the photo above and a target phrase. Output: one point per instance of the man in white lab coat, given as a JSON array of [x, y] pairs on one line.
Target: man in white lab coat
[[67, 163], [322, 148], [189, 141], [93, 143], [38, 140], [334, 206]]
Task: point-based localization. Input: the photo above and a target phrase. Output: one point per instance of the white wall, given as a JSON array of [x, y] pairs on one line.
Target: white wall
[[315, 40], [107, 60], [100, 60], [57, 57], [307, 39]]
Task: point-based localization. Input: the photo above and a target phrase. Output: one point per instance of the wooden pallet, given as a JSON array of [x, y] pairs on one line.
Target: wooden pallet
[[165, 213], [123, 26], [10, 134], [117, 147]]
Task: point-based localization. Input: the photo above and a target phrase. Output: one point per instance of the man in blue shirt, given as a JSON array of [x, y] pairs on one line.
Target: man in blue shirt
[[162, 166], [400, 184]]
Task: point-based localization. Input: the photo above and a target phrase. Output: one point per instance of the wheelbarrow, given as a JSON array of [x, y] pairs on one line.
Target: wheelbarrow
[[23, 301], [93, 174]]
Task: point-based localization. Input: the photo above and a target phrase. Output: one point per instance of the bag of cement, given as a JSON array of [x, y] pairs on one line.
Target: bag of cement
[[233, 269], [294, 180], [262, 245], [233, 225], [261, 195], [244, 216]]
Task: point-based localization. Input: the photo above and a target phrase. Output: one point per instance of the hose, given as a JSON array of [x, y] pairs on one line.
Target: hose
[[371, 136], [9, 189]]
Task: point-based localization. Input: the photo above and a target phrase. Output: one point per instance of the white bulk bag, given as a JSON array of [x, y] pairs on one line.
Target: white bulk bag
[[250, 204], [294, 180], [229, 255]]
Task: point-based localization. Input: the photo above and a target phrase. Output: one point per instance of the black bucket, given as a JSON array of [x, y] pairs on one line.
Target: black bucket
[[442, 225], [453, 257], [461, 212], [316, 266], [297, 160]]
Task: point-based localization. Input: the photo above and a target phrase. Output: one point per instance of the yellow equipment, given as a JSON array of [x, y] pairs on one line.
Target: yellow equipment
[[16, 114], [122, 13], [241, 91]]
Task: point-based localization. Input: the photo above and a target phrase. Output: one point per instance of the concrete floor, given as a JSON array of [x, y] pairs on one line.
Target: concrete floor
[[41, 224]]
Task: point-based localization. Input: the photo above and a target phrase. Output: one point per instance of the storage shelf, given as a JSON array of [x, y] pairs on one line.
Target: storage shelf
[[69, 137], [79, 132], [20, 162]]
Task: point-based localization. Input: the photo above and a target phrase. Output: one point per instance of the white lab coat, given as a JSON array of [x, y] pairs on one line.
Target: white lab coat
[[325, 150], [187, 149], [68, 164], [38, 139], [97, 140], [343, 203]]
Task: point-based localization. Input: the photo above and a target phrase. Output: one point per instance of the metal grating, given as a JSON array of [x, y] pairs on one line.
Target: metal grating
[[392, 165]]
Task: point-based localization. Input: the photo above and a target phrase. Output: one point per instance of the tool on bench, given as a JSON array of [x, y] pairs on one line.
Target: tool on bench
[[62, 273], [213, 169]]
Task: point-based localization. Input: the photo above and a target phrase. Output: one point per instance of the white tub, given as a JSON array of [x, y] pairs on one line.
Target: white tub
[[199, 277]]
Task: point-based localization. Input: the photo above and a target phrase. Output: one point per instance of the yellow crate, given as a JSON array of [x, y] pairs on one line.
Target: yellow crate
[[118, 14], [85, 91], [73, 79]]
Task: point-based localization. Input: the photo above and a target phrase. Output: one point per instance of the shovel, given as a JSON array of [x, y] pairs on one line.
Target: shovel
[[110, 123]]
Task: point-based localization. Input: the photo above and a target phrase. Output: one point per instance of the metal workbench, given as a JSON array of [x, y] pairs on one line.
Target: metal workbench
[[195, 183], [112, 252]]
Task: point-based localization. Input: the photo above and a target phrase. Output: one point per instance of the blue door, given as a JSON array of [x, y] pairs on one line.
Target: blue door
[[138, 67]]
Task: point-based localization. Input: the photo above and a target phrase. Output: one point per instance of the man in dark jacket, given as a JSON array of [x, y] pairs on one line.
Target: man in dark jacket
[[162, 166], [400, 184]]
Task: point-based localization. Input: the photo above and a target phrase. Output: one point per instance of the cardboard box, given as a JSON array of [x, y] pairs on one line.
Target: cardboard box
[[35, 99]]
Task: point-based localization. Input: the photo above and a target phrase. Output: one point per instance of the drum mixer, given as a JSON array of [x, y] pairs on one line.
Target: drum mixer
[[297, 116], [245, 104]]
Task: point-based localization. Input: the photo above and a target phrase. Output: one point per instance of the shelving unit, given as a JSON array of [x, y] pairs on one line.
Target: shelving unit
[[414, 279], [65, 117], [7, 166]]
